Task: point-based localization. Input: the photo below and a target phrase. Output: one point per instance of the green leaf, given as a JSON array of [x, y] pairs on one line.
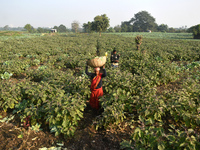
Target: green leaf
[[138, 130], [172, 126], [125, 144], [190, 130], [60, 144], [141, 118], [54, 129], [161, 147], [182, 144], [20, 136], [187, 122], [128, 94], [193, 138], [171, 138]]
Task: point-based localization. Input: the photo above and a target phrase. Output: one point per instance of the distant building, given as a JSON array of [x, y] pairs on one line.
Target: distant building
[[53, 30]]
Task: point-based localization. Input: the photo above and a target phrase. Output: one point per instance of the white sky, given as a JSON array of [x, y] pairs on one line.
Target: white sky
[[48, 13]]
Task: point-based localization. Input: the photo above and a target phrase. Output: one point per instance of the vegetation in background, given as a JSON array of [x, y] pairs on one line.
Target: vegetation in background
[[141, 22], [61, 28], [87, 27], [75, 26], [196, 31], [100, 24], [29, 28]]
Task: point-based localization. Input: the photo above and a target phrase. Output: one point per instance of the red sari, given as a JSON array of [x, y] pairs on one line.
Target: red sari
[[95, 93]]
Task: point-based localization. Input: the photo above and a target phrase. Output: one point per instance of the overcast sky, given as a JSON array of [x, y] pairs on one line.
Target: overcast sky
[[48, 13]]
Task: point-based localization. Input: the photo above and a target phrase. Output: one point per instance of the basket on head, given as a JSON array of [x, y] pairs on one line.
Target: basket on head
[[97, 62]]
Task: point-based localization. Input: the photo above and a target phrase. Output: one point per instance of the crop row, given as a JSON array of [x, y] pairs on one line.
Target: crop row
[[155, 91]]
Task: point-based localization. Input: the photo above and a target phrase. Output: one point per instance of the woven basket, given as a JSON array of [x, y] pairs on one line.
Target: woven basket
[[97, 62]]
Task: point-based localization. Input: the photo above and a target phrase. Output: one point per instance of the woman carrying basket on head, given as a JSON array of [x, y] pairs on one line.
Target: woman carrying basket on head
[[96, 86]]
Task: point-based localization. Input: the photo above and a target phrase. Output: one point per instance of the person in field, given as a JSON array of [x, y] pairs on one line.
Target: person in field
[[96, 86], [114, 59]]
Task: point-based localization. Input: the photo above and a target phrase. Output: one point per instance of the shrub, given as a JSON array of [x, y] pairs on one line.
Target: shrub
[[138, 41], [6, 75], [196, 31]]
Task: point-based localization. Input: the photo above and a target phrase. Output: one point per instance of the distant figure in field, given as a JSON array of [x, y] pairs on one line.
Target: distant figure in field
[[96, 85], [114, 59]]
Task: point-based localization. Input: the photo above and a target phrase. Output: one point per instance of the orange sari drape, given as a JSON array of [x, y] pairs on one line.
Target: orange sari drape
[[95, 93]]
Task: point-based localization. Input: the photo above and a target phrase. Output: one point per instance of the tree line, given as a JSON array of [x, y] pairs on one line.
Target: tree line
[[141, 22], [31, 29]]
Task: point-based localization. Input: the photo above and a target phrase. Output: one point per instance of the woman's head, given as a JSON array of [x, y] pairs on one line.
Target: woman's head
[[114, 51], [96, 70]]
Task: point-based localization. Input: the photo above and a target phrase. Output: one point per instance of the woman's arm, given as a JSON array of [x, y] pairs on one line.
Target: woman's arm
[[104, 72], [86, 71]]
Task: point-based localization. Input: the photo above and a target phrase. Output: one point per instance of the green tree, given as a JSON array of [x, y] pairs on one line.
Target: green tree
[[40, 30], [143, 21], [171, 30], [75, 26], [117, 28], [55, 27], [62, 28], [111, 30], [87, 27], [162, 28], [124, 27], [196, 31], [100, 24], [6, 27], [29, 28]]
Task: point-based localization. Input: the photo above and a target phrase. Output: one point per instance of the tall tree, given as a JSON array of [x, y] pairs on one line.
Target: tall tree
[[75, 26], [171, 30], [40, 30], [163, 28], [126, 26], [117, 28], [29, 28], [62, 28], [143, 21], [111, 30], [55, 27], [100, 24], [196, 31], [87, 27], [6, 27]]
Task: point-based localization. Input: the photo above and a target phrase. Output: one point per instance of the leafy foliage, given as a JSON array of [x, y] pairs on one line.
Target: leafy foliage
[[196, 31], [100, 24], [138, 41], [6, 75], [156, 95]]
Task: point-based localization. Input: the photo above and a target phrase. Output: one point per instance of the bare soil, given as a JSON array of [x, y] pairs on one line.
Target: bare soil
[[85, 138]]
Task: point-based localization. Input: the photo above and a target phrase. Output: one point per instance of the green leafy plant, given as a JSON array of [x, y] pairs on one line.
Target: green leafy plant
[[196, 31], [6, 75], [35, 62], [36, 127], [157, 96], [7, 119], [138, 41]]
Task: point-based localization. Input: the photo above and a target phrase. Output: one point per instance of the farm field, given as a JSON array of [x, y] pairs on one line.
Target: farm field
[[152, 101], [157, 35]]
